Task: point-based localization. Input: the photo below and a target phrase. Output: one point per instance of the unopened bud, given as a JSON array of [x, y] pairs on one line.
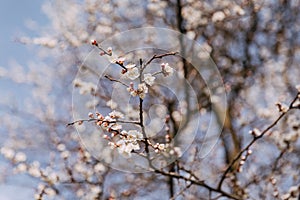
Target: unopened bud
[[94, 42]]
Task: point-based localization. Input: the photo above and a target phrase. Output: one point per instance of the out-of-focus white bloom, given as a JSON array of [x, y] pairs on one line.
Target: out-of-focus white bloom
[[7, 152], [132, 113], [149, 79], [80, 193], [91, 104], [85, 87], [43, 41], [41, 187], [142, 90], [34, 171], [99, 167], [115, 115], [87, 155], [166, 69], [132, 72], [61, 147], [22, 167], [20, 157], [49, 191], [237, 9], [65, 154], [177, 151], [112, 104], [79, 167], [218, 16], [53, 177], [95, 189]]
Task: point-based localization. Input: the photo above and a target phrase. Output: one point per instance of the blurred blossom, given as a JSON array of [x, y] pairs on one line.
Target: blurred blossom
[[149, 79], [7, 152], [20, 157]]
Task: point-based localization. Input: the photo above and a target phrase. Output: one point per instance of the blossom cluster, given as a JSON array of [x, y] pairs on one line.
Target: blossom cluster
[[125, 141], [128, 141]]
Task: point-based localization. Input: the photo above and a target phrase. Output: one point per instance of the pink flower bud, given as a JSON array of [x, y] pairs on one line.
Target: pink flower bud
[[94, 42]]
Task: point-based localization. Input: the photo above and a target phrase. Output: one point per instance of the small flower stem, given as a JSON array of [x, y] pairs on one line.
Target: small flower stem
[[100, 48]]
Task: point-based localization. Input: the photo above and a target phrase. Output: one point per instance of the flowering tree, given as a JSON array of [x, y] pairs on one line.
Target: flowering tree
[[129, 120]]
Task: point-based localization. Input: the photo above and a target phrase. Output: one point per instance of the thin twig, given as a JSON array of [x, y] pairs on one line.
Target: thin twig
[[115, 80], [158, 57], [95, 119]]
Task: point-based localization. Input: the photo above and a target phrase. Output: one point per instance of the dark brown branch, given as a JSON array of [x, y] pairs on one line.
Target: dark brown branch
[[95, 119], [196, 182], [158, 57], [115, 80], [253, 141]]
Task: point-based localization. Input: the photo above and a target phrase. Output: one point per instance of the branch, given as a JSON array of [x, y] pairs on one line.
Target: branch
[[95, 119], [196, 182], [158, 57], [254, 140], [115, 80]]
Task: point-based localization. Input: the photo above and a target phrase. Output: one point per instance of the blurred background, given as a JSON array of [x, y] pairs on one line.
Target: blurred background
[[255, 45]]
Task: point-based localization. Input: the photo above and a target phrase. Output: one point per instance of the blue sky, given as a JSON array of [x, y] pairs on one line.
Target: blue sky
[[14, 14]]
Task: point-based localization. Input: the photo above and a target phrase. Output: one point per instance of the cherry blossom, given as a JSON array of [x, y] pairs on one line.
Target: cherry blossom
[[132, 72], [149, 79], [166, 69]]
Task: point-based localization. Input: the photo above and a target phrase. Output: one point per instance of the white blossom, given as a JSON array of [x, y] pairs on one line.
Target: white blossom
[[218, 16], [166, 69], [255, 132], [132, 72], [125, 148], [134, 135], [61, 147], [142, 90], [161, 147], [34, 171], [99, 167], [149, 79], [22, 167], [116, 127]]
